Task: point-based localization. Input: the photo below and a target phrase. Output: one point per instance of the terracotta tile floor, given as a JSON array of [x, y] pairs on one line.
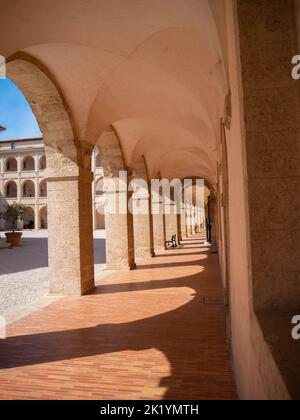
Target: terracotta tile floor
[[154, 333]]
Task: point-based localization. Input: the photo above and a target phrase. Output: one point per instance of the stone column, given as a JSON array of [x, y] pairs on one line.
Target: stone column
[[71, 259], [93, 191], [183, 226], [214, 220], [36, 164], [193, 220], [118, 223], [159, 224], [119, 235], [142, 217], [36, 199], [143, 229], [188, 221]]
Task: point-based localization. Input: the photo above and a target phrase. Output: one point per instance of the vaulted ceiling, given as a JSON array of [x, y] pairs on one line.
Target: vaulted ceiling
[[153, 69]]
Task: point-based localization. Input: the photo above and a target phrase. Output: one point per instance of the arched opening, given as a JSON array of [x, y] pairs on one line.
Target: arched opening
[[99, 218], [98, 161], [193, 199], [28, 164], [43, 188], [11, 165], [100, 187], [69, 176], [28, 219], [11, 190], [42, 163], [43, 218], [99, 205], [28, 190]]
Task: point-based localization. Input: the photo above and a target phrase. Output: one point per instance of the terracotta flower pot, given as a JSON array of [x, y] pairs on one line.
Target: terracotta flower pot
[[14, 238]]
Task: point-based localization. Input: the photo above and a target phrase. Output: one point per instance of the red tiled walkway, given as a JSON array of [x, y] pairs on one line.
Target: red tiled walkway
[[154, 333]]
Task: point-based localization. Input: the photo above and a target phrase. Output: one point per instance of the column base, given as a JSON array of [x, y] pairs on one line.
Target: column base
[[114, 267], [88, 291], [160, 249], [70, 293], [144, 253]]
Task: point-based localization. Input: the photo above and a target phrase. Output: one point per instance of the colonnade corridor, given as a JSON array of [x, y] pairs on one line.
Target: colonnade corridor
[[158, 332]]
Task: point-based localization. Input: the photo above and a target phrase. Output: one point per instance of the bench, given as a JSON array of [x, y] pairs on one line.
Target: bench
[[172, 243]]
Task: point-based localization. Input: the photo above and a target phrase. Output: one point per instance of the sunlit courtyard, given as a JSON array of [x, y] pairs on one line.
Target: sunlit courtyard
[[24, 269]]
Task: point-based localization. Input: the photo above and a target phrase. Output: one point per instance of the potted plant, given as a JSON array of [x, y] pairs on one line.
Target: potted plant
[[13, 214]]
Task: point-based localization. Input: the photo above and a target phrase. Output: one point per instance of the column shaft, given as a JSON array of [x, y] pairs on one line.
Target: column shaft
[[71, 259], [159, 226], [119, 238], [143, 233]]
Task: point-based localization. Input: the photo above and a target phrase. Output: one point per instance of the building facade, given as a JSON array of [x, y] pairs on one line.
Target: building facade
[[23, 180]]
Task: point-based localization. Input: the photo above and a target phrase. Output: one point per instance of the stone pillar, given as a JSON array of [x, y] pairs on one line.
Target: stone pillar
[[142, 217], [93, 168], [197, 218], [118, 223], [179, 237], [159, 224], [36, 198], [94, 216], [119, 236], [214, 220], [71, 259], [193, 219], [143, 232], [183, 227], [189, 221]]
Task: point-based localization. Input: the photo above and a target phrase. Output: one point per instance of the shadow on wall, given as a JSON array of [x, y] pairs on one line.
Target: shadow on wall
[[192, 337], [33, 254]]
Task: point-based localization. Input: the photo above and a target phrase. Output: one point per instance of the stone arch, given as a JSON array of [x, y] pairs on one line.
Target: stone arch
[[43, 218], [99, 187], [28, 163], [99, 218], [98, 160], [69, 178], [28, 189], [142, 221], [191, 199], [11, 189], [99, 204], [11, 164], [29, 218], [49, 108]]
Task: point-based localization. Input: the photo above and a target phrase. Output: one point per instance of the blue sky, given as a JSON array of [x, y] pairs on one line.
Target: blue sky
[[15, 114]]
